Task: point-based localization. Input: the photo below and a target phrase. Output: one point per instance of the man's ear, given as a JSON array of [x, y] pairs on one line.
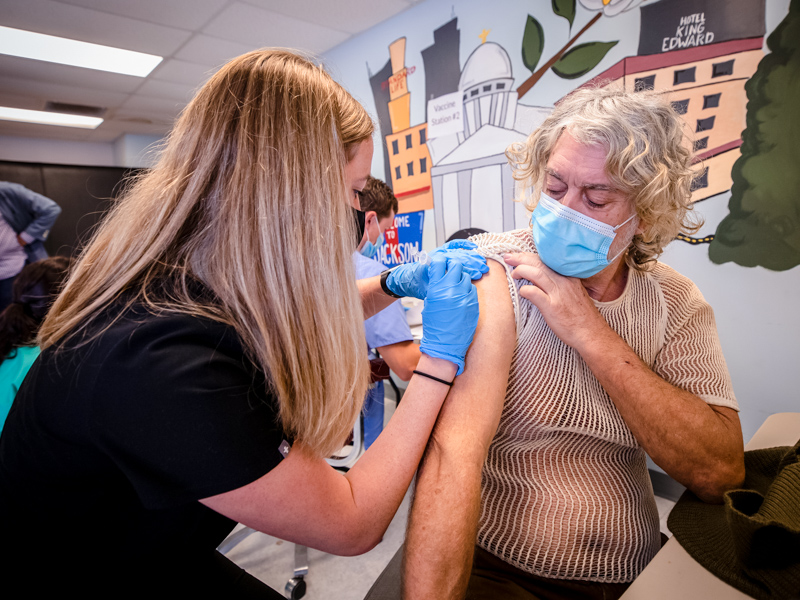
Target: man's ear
[[641, 226], [369, 217]]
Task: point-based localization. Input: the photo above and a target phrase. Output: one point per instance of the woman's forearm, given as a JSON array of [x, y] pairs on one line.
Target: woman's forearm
[[373, 298], [382, 475]]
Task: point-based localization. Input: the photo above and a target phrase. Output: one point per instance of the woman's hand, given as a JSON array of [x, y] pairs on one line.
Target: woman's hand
[[411, 279], [563, 301], [451, 311]]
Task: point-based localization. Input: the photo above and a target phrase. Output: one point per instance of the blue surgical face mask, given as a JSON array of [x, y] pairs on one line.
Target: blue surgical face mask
[[369, 249], [569, 242]]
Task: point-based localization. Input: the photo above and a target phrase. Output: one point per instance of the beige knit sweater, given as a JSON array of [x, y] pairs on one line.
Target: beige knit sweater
[[565, 489]]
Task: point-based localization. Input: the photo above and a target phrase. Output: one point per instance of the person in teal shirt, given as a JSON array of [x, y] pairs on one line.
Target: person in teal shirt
[[12, 371], [34, 290]]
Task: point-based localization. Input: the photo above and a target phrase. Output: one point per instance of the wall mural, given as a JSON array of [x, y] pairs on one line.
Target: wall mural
[[705, 54]]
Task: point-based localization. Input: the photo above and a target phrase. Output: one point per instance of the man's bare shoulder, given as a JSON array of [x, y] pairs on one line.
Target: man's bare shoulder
[[494, 296]]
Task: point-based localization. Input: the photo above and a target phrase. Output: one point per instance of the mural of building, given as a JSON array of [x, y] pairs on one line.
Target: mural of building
[[440, 61], [681, 24], [706, 85], [486, 83], [409, 160], [689, 50], [379, 82], [472, 181], [410, 163]]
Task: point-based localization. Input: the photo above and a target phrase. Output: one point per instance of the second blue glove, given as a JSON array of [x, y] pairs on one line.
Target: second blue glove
[[450, 315]]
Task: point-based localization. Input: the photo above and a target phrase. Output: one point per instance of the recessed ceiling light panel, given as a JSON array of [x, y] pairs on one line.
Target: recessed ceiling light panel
[[48, 118], [38, 46]]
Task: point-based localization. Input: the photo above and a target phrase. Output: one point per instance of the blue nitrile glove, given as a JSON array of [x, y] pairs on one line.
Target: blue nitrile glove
[[411, 279], [451, 311]]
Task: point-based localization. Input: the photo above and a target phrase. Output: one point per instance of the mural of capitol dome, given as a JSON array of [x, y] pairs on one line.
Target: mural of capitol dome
[[487, 86], [471, 180]]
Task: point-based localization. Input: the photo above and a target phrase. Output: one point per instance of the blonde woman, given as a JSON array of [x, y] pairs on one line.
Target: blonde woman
[[207, 354]]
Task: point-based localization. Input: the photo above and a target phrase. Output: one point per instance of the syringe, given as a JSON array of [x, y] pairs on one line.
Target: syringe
[[422, 257]]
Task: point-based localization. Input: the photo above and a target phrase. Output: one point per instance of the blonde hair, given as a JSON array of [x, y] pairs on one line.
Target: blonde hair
[[249, 197], [649, 159]]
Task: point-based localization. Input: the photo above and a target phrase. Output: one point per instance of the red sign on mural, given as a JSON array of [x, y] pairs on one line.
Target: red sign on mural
[[395, 82]]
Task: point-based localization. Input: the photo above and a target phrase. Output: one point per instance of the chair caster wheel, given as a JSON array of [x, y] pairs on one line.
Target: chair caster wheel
[[295, 588]]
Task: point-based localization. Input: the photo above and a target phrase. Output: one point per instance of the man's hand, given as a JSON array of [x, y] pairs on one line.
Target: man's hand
[[563, 301], [21, 241]]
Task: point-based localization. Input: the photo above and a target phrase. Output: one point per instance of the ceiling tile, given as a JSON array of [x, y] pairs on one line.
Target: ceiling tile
[[31, 130], [103, 135], [13, 99], [258, 28], [180, 71], [155, 109], [351, 16], [211, 51], [196, 37], [182, 14], [45, 90], [73, 22], [122, 126], [163, 89]]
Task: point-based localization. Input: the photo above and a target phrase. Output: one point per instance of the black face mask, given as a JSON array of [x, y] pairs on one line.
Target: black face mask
[[360, 218]]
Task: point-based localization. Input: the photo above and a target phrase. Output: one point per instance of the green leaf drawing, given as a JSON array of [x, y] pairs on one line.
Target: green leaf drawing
[[566, 9], [581, 59], [532, 43]]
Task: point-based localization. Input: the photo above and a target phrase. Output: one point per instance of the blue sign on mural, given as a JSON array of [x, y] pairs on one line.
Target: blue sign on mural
[[403, 240]]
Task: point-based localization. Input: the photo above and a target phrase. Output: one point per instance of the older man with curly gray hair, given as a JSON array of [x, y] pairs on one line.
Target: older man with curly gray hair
[[589, 355]]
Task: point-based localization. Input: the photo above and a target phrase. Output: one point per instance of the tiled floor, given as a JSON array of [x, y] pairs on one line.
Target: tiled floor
[[335, 577]]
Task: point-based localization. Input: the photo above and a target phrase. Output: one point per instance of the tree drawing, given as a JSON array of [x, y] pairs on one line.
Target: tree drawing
[[569, 62], [763, 224]]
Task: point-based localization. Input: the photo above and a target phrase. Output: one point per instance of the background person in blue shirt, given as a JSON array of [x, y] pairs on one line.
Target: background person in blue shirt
[[388, 331], [26, 219]]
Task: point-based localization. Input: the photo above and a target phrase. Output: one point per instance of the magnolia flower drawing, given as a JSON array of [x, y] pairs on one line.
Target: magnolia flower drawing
[[610, 7]]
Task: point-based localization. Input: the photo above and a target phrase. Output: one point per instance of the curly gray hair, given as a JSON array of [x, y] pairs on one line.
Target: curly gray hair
[[649, 159]]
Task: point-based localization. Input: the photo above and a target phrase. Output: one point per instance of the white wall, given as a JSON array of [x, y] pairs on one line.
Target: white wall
[[57, 152], [127, 151]]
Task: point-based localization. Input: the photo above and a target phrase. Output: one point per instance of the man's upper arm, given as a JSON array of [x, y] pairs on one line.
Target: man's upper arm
[[471, 413], [443, 520]]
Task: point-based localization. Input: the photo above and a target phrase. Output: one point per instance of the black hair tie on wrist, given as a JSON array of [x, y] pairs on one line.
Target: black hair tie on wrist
[[447, 383]]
